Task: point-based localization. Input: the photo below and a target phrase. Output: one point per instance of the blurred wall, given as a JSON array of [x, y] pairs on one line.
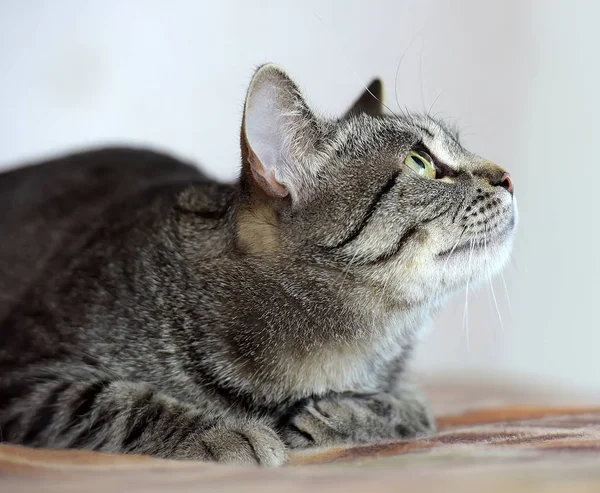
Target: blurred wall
[[520, 78]]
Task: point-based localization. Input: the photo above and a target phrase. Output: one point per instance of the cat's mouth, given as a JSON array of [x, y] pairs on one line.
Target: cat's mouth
[[467, 245], [481, 241]]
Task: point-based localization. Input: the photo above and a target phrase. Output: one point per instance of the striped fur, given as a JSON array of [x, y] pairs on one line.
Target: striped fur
[[148, 309]]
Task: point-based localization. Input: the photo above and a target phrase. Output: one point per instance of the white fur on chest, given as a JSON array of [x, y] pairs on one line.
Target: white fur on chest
[[364, 364]]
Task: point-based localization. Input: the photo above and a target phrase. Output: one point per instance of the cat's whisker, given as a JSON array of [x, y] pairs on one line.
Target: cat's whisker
[[512, 262], [496, 304], [342, 52], [485, 250], [432, 104], [506, 292], [398, 69], [498, 311], [441, 119], [435, 115], [466, 310], [490, 281], [455, 245], [421, 74], [466, 318]]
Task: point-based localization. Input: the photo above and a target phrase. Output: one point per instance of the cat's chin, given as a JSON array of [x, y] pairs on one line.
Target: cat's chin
[[475, 262], [499, 239]]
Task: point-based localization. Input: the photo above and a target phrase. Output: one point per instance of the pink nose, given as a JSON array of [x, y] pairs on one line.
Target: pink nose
[[506, 182]]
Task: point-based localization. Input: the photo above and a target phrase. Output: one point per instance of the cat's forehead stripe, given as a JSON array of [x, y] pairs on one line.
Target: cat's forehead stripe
[[366, 132]]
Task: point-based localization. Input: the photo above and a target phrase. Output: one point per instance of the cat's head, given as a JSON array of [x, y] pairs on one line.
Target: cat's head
[[392, 199]]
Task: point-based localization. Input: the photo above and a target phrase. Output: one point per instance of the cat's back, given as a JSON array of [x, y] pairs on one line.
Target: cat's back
[[56, 188], [49, 206]]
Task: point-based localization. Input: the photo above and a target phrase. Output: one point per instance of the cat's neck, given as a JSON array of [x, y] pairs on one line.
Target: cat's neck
[[321, 328]]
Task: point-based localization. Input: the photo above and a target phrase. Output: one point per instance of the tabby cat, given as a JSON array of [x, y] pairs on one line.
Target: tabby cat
[[147, 309]]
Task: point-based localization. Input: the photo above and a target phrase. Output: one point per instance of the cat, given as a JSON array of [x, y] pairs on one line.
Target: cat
[[148, 309]]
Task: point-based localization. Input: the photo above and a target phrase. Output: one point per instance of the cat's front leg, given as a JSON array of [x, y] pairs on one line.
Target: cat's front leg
[[357, 418], [130, 417]]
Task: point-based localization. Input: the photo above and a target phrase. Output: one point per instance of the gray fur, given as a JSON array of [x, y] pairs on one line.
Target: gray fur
[[147, 309]]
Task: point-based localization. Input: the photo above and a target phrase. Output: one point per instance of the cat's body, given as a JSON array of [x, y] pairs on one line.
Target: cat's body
[[146, 308]]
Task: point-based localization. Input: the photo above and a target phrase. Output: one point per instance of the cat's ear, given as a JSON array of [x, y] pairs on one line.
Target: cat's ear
[[279, 134], [370, 101]]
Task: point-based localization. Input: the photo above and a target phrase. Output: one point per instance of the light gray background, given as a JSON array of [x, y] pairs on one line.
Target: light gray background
[[521, 78]]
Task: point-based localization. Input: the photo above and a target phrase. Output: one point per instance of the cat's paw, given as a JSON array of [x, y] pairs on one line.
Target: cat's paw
[[338, 419], [238, 441]]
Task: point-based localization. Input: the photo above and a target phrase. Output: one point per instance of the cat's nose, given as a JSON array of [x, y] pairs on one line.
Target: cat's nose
[[506, 182], [497, 177]]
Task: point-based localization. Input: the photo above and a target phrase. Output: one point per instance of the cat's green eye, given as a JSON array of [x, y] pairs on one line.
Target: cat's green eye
[[421, 163]]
